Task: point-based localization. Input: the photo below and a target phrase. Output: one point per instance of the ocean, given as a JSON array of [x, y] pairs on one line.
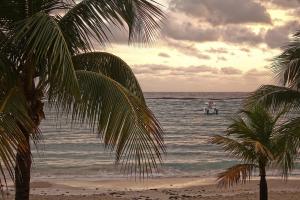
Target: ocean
[[76, 152]]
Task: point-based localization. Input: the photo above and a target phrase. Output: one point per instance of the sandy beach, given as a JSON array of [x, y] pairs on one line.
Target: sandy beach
[[158, 189]]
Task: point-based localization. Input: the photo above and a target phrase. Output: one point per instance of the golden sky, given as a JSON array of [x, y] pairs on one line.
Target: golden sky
[[212, 45]]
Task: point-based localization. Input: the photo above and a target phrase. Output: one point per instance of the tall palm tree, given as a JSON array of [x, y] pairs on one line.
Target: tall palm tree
[[46, 53], [259, 139]]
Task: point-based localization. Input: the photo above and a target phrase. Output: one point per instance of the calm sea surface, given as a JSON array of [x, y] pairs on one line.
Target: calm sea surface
[[78, 153]]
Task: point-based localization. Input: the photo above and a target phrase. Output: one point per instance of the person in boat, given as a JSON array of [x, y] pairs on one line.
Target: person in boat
[[211, 106]]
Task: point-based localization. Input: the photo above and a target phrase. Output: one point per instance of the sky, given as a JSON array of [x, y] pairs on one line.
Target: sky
[[212, 45]]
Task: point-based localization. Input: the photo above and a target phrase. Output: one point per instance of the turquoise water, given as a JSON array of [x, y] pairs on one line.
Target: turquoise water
[[78, 153]]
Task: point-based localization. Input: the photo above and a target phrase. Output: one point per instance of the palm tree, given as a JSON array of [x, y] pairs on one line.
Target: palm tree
[[259, 139], [286, 68], [46, 53]]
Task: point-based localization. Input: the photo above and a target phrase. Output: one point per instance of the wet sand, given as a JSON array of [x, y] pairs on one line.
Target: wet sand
[[158, 189]]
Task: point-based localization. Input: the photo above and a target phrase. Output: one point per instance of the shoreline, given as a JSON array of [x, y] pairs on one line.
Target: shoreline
[[159, 189], [131, 184]]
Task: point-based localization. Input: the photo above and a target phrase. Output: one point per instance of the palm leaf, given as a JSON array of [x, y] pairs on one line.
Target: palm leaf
[[274, 97], [250, 134], [10, 54], [44, 41], [262, 150], [49, 6], [236, 149], [287, 64], [12, 99], [287, 140], [235, 174], [93, 19], [261, 123], [2, 37], [8, 76], [11, 139], [13, 121], [124, 123], [14, 104], [12, 11], [240, 129], [111, 66], [142, 17]]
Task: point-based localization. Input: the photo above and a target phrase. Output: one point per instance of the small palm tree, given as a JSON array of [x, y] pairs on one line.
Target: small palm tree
[[259, 140], [46, 53]]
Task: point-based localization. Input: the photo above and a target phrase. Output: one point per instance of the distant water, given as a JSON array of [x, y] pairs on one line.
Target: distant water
[[78, 153]]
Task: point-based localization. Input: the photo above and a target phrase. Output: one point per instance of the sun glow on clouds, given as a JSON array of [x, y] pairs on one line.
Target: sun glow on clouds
[[212, 45]]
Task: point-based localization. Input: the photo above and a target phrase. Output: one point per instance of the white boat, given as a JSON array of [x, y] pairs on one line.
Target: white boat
[[211, 108]]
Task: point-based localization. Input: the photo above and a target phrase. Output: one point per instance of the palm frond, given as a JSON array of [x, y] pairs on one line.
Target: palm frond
[[8, 77], [124, 123], [50, 6], [44, 41], [235, 148], [287, 65], [12, 98], [12, 11], [260, 121], [240, 129], [254, 128], [13, 121], [235, 174], [143, 18], [111, 66], [92, 20], [11, 139], [2, 37], [14, 103], [10, 54], [262, 150], [274, 97], [287, 140]]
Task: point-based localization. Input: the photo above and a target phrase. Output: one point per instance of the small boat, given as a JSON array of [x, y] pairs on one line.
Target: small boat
[[211, 108]]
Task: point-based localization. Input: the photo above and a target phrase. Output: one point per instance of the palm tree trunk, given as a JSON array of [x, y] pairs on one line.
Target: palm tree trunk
[[23, 159], [22, 173], [263, 186]]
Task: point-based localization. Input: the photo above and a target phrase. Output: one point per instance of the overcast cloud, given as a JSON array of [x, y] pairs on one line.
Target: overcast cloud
[[219, 12], [213, 45]]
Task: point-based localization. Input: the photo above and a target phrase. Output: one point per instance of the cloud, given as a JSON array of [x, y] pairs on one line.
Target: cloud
[[230, 71], [190, 32], [165, 55], [151, 69], [218, 50], [232, 33], [221, 58], [279, 36], [241, 35], [245, 49], [220, 12], [258, 73], [198, 69], [166, 70], [187, 49], [154, 69], [286, 3], [232, 24], [274, 37], [204, 78]]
